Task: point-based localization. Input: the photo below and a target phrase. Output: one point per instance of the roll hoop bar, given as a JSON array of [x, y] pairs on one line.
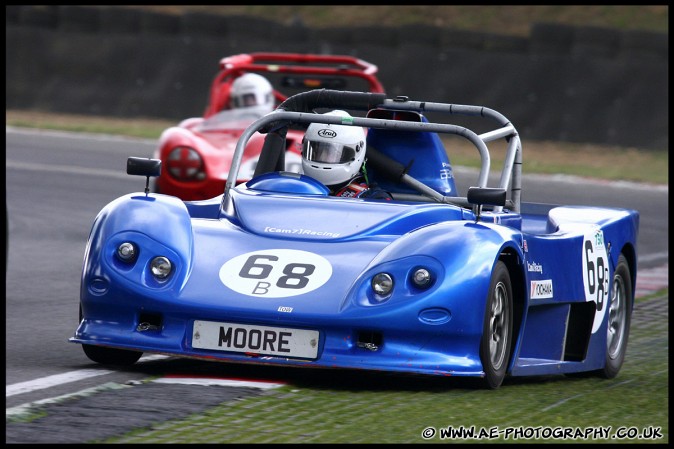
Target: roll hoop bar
[[299, 109]]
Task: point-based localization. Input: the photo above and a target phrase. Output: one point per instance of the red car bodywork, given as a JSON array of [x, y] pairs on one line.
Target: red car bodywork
[[196, 154]]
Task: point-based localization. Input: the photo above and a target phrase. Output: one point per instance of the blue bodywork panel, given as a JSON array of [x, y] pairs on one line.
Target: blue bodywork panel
[[353, 239]]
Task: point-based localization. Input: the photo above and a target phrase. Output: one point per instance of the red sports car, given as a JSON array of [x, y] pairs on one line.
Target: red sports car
[[196, 154]]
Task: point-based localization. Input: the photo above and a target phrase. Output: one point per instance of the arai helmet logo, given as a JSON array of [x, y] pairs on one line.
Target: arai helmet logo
[[328, 133]]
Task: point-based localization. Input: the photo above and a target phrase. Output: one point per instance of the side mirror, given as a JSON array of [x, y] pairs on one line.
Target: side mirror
[[143, 167], [478, 196], [486, 195]]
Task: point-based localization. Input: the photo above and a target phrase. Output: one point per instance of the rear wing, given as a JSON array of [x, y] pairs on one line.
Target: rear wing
[[299, 109], [292, 71]]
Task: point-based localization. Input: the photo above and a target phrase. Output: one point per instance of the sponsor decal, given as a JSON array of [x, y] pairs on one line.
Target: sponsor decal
[[328, 133], [446, 171], [300, 231], [541, 289], [275, 273], [534, 267]]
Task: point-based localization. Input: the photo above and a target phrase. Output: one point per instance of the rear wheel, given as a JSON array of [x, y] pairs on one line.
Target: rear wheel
[[497, 329], [619, 318]]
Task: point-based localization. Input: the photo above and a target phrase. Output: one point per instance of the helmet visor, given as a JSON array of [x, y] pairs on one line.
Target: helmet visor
[[244, 100], [328, 152]]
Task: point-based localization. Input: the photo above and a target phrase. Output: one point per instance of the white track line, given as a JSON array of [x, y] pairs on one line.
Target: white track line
[[50, 381], [64, 378], [220, 382]]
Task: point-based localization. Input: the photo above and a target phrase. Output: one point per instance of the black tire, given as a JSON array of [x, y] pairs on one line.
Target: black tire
[[619, 319], [111, 356], [497, 328]]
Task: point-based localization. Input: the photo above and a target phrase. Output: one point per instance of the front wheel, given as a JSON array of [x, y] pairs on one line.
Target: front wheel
[[619, 318], [111, 356], [497, 328]]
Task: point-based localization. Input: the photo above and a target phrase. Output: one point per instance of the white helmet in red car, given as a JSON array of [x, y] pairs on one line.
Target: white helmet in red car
[[333, 154], [251, 89]]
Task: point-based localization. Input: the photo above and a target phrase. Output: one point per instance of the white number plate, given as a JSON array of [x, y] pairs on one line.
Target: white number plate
[[255, 339]]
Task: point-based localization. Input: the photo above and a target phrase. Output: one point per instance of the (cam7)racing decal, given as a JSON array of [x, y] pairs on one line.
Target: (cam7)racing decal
[[275, 273], [596, 273]]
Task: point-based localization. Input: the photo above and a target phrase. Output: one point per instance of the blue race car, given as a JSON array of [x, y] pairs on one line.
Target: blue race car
[[278, 271]]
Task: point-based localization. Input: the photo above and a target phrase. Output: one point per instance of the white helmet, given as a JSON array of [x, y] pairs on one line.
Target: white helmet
[[333, 154], [251, 89]]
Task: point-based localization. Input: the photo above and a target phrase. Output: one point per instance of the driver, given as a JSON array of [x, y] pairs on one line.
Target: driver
[[252, 89], [335, 156]]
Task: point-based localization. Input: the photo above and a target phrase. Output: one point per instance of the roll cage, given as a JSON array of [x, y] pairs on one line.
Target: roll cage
[[299, 108]]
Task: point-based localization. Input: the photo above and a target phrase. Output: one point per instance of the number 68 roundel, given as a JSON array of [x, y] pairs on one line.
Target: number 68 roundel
[[275, 273]]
